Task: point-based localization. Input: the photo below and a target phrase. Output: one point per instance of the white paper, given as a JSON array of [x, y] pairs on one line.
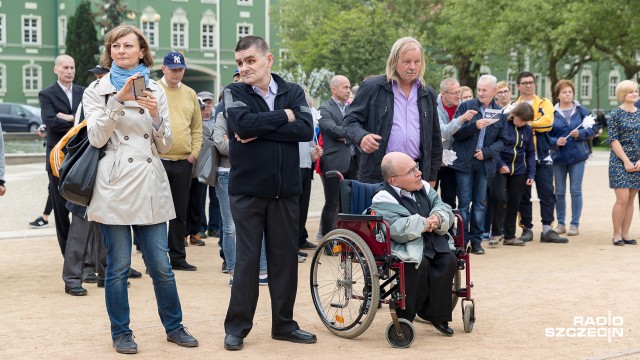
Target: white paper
[[448, 157]]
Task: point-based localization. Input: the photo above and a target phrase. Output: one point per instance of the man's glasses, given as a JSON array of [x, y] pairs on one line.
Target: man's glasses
[[527, 83], [411, 172], [455, 93], [503, 92]]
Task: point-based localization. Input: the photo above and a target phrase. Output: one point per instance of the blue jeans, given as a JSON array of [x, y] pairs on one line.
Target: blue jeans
[[153, 241], [576, 173], [472, 194], [214, 209], [229, 227]]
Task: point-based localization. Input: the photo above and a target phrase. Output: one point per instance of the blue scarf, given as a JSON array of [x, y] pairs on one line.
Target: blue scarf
[[119, 75]]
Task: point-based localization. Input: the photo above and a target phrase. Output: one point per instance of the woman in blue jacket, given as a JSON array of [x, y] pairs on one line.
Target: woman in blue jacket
[[516, 169], [570, 150]]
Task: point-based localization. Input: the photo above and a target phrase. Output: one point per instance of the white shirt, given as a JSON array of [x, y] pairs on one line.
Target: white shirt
[[68, 92]]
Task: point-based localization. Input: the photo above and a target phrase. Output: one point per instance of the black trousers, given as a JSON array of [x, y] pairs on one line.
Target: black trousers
[[60, 212], [448, 185], [433, 294], [278, 220], [194, 208], [331, 207], [179, 174], [544, 186], [306, 176], [506, 192]]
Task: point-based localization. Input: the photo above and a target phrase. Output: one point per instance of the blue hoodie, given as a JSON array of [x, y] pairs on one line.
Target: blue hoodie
[[518, 154]]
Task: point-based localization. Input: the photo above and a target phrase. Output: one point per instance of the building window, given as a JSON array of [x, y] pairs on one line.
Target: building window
[[585, 83], [3, 79], [208, 30], [179, 29], [511, 81], [245, 2], [244, 30], [62, 30], [32, 78], [614, 79], [31, 30], [149, 25], [2, 29]]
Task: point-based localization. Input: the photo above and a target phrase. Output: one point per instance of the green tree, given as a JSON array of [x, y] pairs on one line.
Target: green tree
[[111, 13], [82, 42]]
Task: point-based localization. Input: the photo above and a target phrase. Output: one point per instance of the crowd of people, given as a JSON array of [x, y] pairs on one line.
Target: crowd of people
[[255, 154]]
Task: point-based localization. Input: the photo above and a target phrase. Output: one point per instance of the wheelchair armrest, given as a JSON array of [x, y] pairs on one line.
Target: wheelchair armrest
[[360, 217], [456, 211]]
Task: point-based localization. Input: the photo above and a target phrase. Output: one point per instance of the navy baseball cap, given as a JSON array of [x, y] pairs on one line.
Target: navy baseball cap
[[236, 72], [99, 69], [174, 60]]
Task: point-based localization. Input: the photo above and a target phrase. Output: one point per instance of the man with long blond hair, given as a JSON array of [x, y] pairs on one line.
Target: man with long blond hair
[[396, 112]]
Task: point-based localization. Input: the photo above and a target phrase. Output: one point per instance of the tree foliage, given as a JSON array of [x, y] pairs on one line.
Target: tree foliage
[[111, 13], [82, 42]]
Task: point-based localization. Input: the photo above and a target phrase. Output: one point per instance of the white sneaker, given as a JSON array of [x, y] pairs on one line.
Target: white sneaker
[[560, 229], [573, 230], [301, 259]]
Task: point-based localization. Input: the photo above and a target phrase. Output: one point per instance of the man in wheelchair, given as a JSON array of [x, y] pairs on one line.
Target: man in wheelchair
[[419, 221]]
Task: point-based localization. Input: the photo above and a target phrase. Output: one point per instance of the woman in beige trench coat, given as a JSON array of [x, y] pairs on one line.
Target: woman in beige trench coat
[[132, 190]]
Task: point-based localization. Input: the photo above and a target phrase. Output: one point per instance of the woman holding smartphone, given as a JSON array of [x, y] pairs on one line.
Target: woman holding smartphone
[[132, 190]]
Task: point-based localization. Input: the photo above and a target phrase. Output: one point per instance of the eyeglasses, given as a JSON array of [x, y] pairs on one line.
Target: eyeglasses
[[527, 83], [411, 172], [503, 92], [454, 92]]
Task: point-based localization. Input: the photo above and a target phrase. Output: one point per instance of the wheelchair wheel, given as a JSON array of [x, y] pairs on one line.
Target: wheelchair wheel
[[345, 286], [401, 341], [457, 281], [468, 318]]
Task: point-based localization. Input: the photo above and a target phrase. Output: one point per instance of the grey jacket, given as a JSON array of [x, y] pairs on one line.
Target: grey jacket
[[448, 127], [219, 131], [406, 229]]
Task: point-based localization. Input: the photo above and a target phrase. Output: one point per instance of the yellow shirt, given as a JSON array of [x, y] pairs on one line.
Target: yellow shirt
[[186, 122]]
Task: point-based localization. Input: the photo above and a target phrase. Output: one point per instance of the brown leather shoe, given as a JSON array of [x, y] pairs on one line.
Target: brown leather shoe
[[196, 240]]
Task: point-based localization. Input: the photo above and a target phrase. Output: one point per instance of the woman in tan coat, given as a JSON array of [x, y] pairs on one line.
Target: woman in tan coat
[[132, 190]]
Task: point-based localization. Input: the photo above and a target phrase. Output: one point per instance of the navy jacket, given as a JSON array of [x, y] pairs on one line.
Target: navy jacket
[[575, 150], [518, 154], [268, 166], [372, 112], [466, 139]]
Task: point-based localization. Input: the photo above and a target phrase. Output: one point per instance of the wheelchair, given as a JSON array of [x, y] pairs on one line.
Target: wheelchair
[[353, 272]]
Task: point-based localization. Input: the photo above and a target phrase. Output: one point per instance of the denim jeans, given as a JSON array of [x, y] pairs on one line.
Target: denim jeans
[[214, 209], [153, 240], [229, 227], [576, 173], [472, 194]]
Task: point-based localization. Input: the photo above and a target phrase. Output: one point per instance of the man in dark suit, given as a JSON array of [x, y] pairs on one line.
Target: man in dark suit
[[337, 153], [59, 103]]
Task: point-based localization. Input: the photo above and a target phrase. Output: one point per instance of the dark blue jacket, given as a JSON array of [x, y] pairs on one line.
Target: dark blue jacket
[[372, 112], [466, 139], [575, 150], [518, 154], [268, 166]]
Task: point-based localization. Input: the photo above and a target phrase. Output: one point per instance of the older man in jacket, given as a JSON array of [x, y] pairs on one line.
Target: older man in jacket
[[419, 221], [396, 112]]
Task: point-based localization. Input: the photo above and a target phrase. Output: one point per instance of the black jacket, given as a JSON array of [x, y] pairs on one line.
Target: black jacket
[[268, 166], [372, 112]]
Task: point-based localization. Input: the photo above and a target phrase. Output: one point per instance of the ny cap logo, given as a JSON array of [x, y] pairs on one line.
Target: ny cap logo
[[176, 59]]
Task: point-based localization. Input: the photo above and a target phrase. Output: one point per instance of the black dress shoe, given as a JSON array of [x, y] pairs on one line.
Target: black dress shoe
[[296, 336], [134, 274], [89, 277], [444, 328], [232, 342], [302, 253], [75, 291], [630, 242], [308, 246], [185, 267]]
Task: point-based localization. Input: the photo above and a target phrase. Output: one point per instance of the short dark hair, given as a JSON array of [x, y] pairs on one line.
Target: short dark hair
[[523, 75], [523, 110], [251, 40]]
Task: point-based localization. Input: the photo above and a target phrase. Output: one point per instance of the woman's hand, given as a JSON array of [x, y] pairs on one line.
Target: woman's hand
[[126, 93], [530, 182], [629, 166], [574, 134], [148, 102], [562, 141], [504, 170]]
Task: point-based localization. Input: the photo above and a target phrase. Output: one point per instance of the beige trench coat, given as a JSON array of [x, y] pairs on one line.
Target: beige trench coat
[[132, 187]]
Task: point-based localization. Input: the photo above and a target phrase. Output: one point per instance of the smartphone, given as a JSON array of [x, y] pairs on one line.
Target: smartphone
[[139, 86]]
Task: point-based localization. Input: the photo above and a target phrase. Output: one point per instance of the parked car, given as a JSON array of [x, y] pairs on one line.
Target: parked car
[[19, 117]]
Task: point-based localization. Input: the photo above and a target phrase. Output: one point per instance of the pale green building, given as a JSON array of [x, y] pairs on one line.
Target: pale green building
[[32, 34]]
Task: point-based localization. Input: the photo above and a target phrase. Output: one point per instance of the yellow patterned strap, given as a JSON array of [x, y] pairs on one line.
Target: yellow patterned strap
[[57, 155]]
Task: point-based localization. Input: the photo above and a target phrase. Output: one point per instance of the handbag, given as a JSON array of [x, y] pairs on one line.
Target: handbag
[[79, 169], [206, 169]]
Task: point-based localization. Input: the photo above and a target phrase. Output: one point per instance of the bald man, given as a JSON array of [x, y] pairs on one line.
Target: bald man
[[338, 154], [419, 222], [58, 104]]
